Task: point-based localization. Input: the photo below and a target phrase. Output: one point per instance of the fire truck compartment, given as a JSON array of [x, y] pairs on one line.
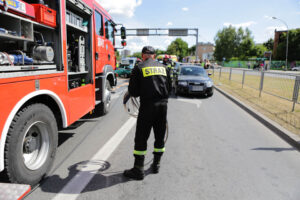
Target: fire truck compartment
[[79, 48], [27, 47]]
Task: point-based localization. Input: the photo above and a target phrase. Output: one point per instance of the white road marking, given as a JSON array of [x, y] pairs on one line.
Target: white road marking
[[77, 184], [193, 101]]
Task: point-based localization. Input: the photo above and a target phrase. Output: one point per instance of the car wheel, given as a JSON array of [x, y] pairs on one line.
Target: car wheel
[[31, 144]]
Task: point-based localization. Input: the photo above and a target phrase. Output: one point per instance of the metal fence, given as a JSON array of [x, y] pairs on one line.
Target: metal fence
[[282, 85]]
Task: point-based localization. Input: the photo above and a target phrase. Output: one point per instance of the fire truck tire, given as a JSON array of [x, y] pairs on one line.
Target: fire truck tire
[[31, 144], [104, 106]]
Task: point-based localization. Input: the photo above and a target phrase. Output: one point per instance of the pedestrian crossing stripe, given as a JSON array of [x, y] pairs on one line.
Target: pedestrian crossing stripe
[[154, 71]]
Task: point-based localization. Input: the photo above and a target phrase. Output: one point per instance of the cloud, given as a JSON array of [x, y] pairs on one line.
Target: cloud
[[169, 24], [185, 9], [120, 7], [269, 31], [243, 25]]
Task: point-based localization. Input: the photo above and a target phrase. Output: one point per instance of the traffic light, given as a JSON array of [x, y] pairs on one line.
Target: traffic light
[[123, 33]]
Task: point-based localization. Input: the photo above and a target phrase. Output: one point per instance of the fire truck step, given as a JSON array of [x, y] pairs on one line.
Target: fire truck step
[[10, 191], [98, 102], [97, 89]]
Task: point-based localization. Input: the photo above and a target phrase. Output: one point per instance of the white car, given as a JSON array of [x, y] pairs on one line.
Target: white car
[[296, 68]]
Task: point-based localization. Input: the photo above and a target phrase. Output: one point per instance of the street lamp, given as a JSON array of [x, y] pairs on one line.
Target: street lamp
[[287, 41]]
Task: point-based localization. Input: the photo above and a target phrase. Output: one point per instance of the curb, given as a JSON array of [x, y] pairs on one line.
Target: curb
[[283, 133]]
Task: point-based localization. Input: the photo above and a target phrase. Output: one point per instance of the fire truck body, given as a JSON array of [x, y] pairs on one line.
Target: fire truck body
[[50, 76]]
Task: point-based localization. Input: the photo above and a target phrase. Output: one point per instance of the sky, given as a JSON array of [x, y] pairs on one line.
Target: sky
[[209, 16]]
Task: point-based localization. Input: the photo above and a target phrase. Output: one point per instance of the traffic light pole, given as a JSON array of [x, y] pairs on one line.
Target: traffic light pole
[[173, 32]]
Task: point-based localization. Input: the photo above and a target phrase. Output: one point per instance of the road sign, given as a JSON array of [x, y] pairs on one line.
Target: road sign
[[178, 32], [142, 32]]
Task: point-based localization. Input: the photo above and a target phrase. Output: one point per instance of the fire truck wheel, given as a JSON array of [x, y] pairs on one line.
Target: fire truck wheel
[[104, 106], [31, 144]]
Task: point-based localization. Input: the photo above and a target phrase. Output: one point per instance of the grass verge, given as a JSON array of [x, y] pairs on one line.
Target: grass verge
[[275, 108]]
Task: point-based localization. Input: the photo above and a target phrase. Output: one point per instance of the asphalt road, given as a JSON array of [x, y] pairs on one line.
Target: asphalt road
[[215, 151]]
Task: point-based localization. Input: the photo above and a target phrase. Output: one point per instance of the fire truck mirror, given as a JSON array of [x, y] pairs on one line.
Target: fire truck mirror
[[123, 33]]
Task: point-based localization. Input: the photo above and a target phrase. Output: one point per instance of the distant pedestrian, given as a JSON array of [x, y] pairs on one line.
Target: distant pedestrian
[[249, 65]]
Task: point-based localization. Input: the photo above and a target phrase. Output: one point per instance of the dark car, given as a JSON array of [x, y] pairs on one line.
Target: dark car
[[193, 80]]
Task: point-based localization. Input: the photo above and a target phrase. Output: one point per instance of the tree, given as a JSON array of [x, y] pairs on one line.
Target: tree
[[118, 55], [192, 50], [178, 47], [225, 43], [232, 43], [269, 44], [260, 50], [137, 55], [294, 46], [159, 51]]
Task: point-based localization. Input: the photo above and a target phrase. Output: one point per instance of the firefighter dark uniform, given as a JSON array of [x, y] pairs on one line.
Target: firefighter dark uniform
[[150, 81], [167, 63]]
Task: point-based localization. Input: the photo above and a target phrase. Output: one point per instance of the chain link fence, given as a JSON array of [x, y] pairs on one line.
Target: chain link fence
[[281, 85]]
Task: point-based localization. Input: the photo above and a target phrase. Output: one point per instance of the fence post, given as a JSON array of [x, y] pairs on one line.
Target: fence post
[[261, 82], [230, 73], [243, 81], [220, 73], [296, 92]]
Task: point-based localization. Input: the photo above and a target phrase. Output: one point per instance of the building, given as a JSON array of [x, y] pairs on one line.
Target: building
[[277, 41], [205, 51], [125, 53]]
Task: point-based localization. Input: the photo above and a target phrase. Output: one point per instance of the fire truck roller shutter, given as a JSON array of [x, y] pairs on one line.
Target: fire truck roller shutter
[[17, 107]]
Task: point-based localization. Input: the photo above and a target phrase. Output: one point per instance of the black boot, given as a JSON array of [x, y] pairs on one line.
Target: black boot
[[137, 172], [156, 162]]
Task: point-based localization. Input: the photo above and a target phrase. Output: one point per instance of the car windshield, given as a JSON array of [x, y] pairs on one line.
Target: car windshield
[[193, 71]]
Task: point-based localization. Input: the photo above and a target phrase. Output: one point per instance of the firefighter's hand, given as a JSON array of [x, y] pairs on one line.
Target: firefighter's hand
[[126, 97]]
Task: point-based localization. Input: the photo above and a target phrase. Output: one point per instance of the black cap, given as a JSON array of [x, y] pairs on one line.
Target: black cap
[[148, 50]]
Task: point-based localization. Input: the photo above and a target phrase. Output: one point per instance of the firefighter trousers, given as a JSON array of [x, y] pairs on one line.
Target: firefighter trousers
[[151, 115]]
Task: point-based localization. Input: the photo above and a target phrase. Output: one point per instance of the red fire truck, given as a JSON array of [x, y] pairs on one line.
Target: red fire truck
[[57, 62]]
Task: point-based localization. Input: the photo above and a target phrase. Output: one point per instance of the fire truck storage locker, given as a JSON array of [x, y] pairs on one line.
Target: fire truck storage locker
[[28, 47]]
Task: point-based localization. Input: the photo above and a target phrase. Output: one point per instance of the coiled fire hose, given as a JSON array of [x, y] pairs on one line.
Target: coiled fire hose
[[131, 106]]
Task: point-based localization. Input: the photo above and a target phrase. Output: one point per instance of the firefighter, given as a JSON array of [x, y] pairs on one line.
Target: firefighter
[[167, 63], [150, 81]]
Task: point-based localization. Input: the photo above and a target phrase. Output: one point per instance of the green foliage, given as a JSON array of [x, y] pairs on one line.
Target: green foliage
[[225, 43], [260, 50], [231, 42], [136, 54], [159, 51], [178, 47], [118, 55], [269, 44], [192, 50], [294, 46]]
